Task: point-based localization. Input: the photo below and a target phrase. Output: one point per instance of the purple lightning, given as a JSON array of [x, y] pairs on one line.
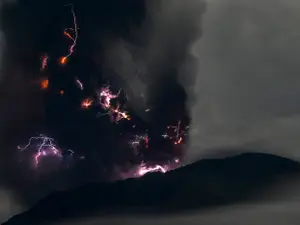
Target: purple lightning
[[45, 147]]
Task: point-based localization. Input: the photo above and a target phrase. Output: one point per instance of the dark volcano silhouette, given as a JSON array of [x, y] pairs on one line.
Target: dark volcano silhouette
[[206, 183]]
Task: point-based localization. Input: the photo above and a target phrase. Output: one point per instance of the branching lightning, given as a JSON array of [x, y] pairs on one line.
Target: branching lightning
[[176, 133], [115, 112], [71, 34], [111, 104], [44, 146], [44, 62]]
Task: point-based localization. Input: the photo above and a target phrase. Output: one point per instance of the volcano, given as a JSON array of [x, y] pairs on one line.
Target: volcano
[[205, 184]]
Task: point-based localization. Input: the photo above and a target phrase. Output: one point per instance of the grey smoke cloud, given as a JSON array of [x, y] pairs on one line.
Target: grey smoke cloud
[[248, 78], [9, 205], [167, 34], [246, 87], [169, 31], [21, 110]]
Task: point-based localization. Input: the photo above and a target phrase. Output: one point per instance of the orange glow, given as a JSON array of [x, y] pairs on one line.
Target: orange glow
[[74, 38], [147, 141], [44, 83], [62, 92], [63, 60], [68, 35], [86, 103], [120, 114], [179, 141]]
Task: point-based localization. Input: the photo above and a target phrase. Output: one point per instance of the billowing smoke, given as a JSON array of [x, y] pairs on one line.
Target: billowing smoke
[[156, 60], [13, 98], [246, 65], [145, 48], [248, 78]]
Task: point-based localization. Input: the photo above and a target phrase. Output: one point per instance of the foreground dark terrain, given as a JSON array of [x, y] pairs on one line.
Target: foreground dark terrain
[[200, 186]]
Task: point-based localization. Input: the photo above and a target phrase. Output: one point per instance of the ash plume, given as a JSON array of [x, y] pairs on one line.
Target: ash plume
[[144, 48], [156, 60], [248, 78], [16, 102]]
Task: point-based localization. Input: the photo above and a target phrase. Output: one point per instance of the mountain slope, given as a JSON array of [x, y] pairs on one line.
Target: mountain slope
[[203, 184]]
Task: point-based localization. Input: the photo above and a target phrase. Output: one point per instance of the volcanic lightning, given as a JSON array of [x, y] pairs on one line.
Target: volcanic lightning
[[144, 169], [177, 133], [79, 84], [116, 113], [44, 62], [112, 104], [87, 103], [71, 34], [138, 140], [44, 146]]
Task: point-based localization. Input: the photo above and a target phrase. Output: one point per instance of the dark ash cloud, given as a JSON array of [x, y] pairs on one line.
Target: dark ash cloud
[[152, 44], [157, 62]]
